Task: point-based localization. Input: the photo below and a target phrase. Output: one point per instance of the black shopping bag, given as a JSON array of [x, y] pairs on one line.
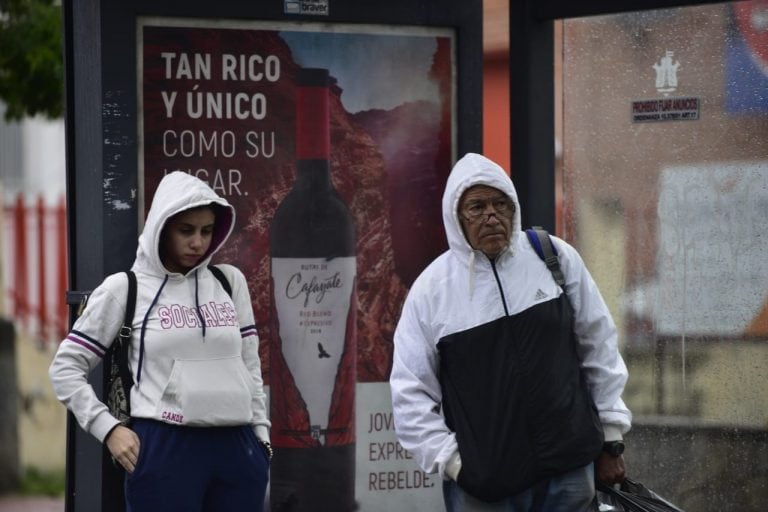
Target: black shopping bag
[[632, 497]]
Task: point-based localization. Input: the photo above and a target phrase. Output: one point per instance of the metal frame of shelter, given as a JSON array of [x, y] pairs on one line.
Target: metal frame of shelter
[[101, 140]]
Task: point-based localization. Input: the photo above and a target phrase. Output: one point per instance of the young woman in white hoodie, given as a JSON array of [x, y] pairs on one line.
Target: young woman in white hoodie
[[198, 439]]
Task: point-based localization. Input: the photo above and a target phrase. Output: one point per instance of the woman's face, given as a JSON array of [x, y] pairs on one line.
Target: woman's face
[[186, 238]]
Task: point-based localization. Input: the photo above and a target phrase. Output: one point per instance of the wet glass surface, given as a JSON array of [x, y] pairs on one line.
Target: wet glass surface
[[665, 194]]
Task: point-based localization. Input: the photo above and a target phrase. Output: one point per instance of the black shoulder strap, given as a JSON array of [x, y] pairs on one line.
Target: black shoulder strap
[[124, 335], [117, 389], [130, 304], [216, 271], [547, 251]]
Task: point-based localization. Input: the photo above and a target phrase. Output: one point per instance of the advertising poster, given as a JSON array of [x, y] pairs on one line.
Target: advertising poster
[[220, 100]]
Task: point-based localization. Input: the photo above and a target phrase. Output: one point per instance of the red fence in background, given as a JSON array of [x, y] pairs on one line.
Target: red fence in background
[[34, 267]]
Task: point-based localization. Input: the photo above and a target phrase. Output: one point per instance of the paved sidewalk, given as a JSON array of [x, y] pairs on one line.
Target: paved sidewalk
[[31, 504]]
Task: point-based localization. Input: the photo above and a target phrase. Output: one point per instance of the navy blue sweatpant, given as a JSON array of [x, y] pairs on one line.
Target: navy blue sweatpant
[[196, 469]]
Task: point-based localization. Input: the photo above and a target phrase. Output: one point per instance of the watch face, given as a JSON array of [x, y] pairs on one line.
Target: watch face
[[614, 448]]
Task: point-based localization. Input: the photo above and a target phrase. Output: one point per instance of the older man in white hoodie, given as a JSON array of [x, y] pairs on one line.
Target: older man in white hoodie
[[503, 383]]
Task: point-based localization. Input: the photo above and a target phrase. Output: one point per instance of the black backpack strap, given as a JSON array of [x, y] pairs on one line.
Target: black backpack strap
[[547, 251], [219, 274]]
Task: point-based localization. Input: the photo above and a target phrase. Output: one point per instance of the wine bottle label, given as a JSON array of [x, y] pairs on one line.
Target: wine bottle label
[[312, 300]]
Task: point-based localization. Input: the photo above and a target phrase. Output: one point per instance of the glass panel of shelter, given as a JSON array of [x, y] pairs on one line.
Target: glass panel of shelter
[[664, 191]]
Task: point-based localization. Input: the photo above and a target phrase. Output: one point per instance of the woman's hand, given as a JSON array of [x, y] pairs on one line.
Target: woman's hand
[[123, 444]]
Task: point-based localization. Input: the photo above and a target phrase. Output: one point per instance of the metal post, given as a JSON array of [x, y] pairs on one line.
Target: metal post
[[9, 411]]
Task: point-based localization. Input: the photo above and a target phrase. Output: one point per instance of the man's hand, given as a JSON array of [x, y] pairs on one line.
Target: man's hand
[[123, 444], [609, 469], [453, 466]]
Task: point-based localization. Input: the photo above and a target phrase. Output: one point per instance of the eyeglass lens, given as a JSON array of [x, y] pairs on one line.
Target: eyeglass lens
[[501, 206]]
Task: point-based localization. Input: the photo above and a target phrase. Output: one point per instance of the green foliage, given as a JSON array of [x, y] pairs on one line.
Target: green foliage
[[42, 483], [31, 61]]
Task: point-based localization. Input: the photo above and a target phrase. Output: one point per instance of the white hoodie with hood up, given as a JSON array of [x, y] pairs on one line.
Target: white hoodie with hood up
[[194, 349], [460, 291]]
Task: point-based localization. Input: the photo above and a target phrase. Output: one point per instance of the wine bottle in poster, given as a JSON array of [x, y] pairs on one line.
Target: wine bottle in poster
[[313, 353]]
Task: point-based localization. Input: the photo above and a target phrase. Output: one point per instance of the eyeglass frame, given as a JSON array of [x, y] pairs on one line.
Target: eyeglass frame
[[483, 216]]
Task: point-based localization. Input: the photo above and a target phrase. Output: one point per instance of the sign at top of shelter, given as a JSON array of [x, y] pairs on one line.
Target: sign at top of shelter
[[311, 7]]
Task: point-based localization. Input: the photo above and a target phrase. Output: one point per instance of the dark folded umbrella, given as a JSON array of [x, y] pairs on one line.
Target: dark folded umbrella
[[632, 497]]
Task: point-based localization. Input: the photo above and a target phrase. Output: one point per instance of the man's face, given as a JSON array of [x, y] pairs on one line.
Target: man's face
[[486, 217]]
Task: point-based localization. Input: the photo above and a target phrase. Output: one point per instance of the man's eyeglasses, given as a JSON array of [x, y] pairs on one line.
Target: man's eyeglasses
[[475, 210]]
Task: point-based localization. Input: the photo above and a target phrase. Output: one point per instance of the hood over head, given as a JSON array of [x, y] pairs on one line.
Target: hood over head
[[473, 169], [177, 192]]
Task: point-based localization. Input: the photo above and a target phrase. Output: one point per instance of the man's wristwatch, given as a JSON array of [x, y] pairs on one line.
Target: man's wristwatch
[[613, 448]]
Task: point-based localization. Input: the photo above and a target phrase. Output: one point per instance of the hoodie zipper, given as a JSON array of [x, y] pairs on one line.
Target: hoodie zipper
[[498, 283]]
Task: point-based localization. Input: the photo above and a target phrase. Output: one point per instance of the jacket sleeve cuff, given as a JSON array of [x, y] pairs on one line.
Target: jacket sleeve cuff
[[453, 466], [103, 425], [612, 432], [262, 432]]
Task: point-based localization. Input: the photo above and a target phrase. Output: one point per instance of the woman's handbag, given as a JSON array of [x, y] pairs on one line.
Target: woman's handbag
[[116, 360]]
